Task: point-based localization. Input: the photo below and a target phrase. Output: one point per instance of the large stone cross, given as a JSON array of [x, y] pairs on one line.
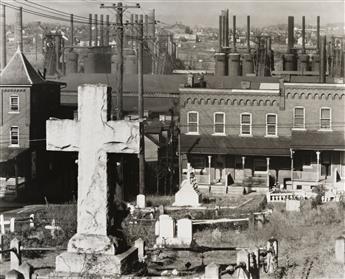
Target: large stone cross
[[93, 135]]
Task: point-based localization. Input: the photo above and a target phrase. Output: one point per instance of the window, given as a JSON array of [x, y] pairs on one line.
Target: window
[[325, 118], [14, 103], [14, 136], [299, 118], [246, 124], [219, 123], [193, 122], [271, 125]]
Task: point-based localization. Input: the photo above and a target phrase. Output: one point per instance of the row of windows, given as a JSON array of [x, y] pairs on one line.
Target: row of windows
[[246, 122]]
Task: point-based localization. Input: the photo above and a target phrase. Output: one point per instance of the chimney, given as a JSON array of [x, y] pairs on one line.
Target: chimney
[[248, 33], [107, 30], [2, 37], [132, 31], [90, 30], [101, 31], [146, 26], [323, 60], [96, 30], [303, 34], [72, 30], [220, 32], [227, 28], [234, 33], [291, 39], [318, 33], [19, 29]]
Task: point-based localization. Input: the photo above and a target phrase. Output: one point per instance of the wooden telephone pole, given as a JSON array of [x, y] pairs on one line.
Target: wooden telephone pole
[[119, 8]]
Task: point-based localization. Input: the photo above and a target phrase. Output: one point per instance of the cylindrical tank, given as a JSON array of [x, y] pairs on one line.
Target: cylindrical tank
[[303, 62], [71, 62], [131, 64], [234, 66], [247, 64], [98, 62], [316, 63], [290, 63], [221, 64]]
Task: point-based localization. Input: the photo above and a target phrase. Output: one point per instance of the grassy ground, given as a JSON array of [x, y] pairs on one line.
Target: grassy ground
[[306, 239]]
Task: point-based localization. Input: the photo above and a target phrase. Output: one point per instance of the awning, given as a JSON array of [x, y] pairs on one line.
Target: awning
[[235, 145], [318, 140], [7, 154]]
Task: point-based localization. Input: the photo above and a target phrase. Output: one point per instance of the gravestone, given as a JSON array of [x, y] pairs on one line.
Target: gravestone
[[92, 249], [141, 202], [185, 231], [212, 271], [166, 230], [188, 195], [340, 250], [293, 205]]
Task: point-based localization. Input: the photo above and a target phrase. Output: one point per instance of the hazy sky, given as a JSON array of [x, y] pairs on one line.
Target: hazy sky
[[202, 12]]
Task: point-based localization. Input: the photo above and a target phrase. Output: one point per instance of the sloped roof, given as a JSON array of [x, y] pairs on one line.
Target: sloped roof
[[19, 71]]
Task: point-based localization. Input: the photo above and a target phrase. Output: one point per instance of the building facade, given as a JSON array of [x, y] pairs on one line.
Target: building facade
[[259, 133]]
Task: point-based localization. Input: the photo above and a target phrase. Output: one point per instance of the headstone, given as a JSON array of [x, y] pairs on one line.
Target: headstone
[[340, 250], [12, 225], [212, 271], [185, 231], [242, 256], [188, 195], [1, 246], [293, 205], [141, 202], [161, 209], [15, 257], [140, 245], [166, 230], [157, 225], [93, 135]]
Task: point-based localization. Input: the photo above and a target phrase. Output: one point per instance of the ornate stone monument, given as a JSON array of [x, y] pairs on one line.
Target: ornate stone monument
[[92, 250], [188, 195]]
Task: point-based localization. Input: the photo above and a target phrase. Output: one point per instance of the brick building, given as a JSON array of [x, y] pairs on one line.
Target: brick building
[[27, 100], [263, 131]]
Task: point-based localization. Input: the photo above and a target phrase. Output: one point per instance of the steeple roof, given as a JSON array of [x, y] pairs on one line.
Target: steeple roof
[[19, 71]]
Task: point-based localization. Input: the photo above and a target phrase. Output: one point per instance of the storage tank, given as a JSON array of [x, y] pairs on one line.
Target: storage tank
[[234, 67], [98, 60], [316, 63], [131, 64], [289, 62], [303, 62], [221, 68], [247, 64], [71, 62]]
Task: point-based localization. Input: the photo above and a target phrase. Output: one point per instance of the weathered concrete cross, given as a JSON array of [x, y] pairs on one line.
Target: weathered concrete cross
[[93, 135]]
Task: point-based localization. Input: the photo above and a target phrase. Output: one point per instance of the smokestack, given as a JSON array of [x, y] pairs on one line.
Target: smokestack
[[291, 39], [96, 30], [303, 34], [132, 31], [227, 28], [318, 33], [323, 58], [90, 30], [72, 31], [248, 33], [146, 26], [107, 29], [2, 37], [234, 33], [101, 31], [19, 29], [220, 33]]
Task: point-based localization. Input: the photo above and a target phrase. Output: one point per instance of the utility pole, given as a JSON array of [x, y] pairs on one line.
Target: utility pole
[[119, 8], [141, 106]]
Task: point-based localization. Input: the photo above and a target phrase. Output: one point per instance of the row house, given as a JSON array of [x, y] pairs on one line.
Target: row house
[[261, 132], [27, 100]]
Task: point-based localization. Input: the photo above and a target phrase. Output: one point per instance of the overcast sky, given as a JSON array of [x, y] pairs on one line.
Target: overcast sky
[[201, 12]]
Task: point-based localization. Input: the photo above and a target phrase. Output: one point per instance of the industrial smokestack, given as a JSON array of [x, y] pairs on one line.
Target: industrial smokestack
[[101, 31], [96, 30], [146, 26], [107, 29], [323, 58], [2, 37], [291, 39], [19, 29], [234, 33], [227, 28], [72, 30], [303, 34], [248, 33], [132, 31], [318, 33], [90, 30], [220, 32]]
